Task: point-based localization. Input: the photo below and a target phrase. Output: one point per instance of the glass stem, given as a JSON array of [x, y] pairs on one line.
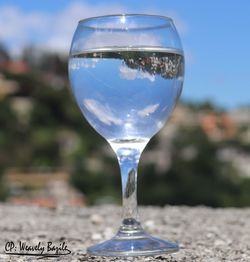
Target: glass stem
[[129, 188], [128, 165]]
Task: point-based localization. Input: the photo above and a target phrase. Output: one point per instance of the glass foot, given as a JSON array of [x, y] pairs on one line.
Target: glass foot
[[132, 243]]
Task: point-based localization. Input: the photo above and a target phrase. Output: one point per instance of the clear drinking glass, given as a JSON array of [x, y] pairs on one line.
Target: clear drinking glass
[[126, 73]]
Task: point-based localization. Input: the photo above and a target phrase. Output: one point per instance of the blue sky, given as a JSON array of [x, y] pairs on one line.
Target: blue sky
[[215, 36]]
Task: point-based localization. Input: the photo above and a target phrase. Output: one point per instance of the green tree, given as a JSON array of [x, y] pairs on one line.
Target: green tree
[[196, 175]]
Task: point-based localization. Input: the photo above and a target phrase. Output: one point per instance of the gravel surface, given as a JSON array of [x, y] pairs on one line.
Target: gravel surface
[[203, 234]]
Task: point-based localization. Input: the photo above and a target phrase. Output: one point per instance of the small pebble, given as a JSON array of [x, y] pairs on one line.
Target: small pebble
[[96, 219], [219, 242], [96, 236], [149, 224]]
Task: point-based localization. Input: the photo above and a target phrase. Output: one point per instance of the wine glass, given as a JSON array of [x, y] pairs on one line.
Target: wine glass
[[126, 72]]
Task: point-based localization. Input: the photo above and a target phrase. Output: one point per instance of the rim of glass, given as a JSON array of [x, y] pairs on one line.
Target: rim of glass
[[166, 19]]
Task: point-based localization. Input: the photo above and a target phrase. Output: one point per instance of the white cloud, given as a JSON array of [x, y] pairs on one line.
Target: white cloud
[[148, 110], [132, 74], [65, 23], [19, 28], [55, 30], [16, 24], [102, 112]]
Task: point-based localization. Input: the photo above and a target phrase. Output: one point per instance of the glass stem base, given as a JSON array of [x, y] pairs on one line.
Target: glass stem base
[[132, 240]]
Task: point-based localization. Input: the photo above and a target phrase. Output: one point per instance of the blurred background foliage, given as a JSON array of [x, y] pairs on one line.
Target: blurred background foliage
[[193, 161]]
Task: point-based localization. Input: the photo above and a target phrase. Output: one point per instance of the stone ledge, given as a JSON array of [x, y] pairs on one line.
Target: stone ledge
[[204, 234]]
